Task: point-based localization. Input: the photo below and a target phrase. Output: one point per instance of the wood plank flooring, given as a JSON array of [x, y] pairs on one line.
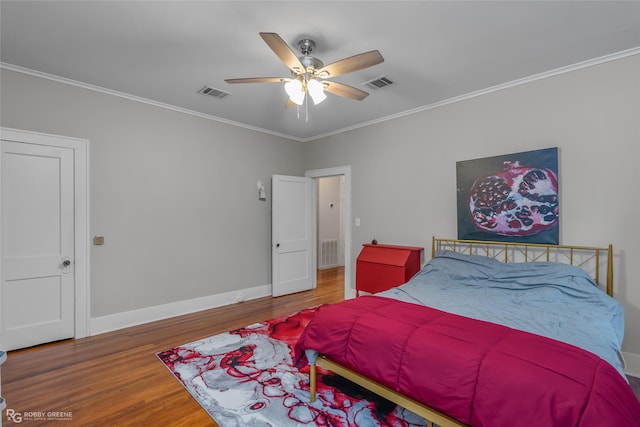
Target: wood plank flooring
[[115, 378]]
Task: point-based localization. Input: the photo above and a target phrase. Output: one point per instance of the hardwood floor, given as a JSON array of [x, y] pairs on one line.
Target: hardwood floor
[[115, 378]]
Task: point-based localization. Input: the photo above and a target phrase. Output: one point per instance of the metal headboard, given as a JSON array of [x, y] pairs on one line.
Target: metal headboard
[[591, 259]]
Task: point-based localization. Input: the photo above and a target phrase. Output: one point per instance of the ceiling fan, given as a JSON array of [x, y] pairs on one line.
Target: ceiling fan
[[309, 74]]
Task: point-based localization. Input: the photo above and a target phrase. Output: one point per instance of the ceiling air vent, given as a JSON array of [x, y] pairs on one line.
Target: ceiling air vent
[[378, 82], [212, 91]]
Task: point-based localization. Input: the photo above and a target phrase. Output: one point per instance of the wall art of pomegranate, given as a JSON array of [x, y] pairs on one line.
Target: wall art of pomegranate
[[512, 197], [519, 200]]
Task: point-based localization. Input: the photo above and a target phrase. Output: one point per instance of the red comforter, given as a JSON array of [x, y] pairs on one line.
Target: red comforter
[[480, 373]]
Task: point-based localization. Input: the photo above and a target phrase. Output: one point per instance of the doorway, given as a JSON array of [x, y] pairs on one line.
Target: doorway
[[329, 231], [333, 234]]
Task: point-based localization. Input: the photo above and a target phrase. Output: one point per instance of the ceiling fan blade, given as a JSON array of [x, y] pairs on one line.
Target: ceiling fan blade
[[258, 80], [346, 91], [284, 52], [350, 64]]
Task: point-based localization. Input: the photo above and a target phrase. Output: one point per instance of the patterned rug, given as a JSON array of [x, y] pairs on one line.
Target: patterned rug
[[245, 378]]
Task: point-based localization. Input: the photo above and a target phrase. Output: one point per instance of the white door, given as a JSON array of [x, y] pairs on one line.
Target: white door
[[37, 253], [293, 234]]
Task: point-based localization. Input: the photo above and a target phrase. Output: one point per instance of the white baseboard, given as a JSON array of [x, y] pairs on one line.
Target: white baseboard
[[633, 364], [112, 322], [350, 293]]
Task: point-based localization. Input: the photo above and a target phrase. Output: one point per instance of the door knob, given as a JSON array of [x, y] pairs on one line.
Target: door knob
[[66, 262]]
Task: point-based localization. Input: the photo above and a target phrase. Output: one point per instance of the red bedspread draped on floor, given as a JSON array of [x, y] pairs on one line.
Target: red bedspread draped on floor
[[480, 373]]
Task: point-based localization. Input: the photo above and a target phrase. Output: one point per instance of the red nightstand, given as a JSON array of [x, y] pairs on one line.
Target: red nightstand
[[380, 267]]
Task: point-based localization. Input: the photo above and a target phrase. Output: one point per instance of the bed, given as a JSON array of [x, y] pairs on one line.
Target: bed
[[487, 334]]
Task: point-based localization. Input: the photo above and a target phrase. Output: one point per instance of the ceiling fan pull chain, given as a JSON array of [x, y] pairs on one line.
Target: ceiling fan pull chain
[[306, 97], [306, 108]]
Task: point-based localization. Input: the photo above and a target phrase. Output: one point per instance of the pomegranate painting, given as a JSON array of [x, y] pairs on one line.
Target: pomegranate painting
[[516, 201]]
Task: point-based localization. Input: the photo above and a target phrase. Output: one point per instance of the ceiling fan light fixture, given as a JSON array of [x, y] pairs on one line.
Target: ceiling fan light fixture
[[295, 91], [318, 98], [293, 87], [297, 98], [316, 91]]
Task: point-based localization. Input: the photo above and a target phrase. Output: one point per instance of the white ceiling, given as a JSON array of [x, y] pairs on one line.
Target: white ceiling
[[165, 51]]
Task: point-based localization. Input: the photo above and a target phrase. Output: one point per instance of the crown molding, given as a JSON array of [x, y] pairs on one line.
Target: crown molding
[[130, 97], [518, 82]]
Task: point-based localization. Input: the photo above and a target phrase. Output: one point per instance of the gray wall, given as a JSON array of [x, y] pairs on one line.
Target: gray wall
[[403, 170], [174, 195]]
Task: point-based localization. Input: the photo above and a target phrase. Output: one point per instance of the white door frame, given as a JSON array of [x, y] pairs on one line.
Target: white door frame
[[80, 149], [349, 292]]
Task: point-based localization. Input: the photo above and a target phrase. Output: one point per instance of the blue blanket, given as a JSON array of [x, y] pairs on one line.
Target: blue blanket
[[554, 300]]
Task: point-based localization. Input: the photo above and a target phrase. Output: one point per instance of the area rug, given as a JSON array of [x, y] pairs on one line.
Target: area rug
[[245, 378]]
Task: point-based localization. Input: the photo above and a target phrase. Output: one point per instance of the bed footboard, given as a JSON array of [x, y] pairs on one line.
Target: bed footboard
[[431, 415]]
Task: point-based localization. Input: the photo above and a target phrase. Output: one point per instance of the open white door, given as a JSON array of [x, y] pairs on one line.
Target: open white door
[[293, 234], [38, 280]]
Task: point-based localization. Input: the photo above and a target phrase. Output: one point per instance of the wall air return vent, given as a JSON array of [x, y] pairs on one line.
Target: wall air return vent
[[212, 91], [378, 82]]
